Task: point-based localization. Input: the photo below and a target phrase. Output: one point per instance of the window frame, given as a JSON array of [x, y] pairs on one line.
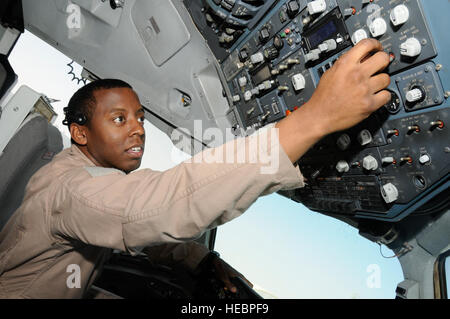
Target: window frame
[[440, 277]]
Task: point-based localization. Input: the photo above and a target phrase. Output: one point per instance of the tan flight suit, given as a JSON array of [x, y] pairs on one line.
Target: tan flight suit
[[74, 213]]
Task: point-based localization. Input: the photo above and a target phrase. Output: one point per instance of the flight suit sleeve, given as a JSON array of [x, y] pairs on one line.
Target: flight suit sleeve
[[146, 207], [187, 254]]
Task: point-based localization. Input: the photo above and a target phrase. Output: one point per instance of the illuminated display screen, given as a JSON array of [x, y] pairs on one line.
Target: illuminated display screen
[[322, 34]]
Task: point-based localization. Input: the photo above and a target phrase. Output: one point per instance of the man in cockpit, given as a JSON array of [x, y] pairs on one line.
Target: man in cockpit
[[91, 199]]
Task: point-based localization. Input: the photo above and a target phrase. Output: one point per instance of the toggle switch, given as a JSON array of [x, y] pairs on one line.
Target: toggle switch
[[438, 124], [392, 132], [406, 159], [388, 160], [413, 128]]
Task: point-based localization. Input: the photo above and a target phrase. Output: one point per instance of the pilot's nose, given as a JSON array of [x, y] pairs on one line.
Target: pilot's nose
[[137, 128]]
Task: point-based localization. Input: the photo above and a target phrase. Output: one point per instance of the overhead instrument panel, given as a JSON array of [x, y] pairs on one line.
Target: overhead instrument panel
[[272, 58]]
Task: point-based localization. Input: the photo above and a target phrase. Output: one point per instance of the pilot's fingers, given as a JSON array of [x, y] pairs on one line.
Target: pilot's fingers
[[380, 99], [379, 82], [362, 49], [377, 62], [229, 286]]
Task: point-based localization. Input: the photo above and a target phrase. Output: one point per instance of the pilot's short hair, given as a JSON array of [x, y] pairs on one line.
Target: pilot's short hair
[[82, 104]]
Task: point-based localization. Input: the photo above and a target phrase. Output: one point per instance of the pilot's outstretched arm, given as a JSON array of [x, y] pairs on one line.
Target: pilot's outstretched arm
[[107, 208]]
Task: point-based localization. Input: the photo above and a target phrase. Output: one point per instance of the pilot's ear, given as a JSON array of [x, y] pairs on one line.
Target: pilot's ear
[[78, 133]]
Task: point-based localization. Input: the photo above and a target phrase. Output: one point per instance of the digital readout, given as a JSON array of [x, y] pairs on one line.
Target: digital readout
[[322, 34]]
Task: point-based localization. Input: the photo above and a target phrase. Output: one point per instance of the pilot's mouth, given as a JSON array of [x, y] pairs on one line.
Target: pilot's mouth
[[135, 152]]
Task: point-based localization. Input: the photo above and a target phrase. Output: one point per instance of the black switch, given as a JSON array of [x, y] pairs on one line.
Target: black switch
[[264, 35], [243, 55], [278, 42], [292, 8], [271, 53]]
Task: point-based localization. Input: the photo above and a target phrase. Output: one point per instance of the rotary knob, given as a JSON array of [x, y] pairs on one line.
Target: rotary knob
[[410, 48], [389, 193], [343, 142], [414, 95], [378, 27], [364, 137], [342, 167], [271, 53], [370, 163], [278, 42], [399, 15], [359, 35]]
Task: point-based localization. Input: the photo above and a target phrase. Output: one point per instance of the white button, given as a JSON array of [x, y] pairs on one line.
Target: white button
[[387, 160], [299, 82], [370, 163], [313, 55], [331, 43], [399, 15], [413, 95], [359, 35], [257, 57], [317, 6], [236, 98], [247, 95], [323, 47], [389, 193], [411, 47], [342, 167], [242, 81], [378, 27], [424, 159]]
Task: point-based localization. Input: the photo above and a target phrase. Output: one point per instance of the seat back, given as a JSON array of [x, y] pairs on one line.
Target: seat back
[[33, 146]]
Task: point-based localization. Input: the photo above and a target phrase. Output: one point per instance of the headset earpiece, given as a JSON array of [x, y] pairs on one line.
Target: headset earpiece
[[77, 118]]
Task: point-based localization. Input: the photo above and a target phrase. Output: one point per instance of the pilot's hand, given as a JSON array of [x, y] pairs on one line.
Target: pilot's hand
[[351, 90], [224, 272], [347, 94]]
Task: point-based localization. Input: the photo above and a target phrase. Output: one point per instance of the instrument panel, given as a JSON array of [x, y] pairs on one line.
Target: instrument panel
[[387, 165]]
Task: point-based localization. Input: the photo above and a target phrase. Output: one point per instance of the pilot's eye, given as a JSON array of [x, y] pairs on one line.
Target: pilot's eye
[[119, 119], [141, 119]]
